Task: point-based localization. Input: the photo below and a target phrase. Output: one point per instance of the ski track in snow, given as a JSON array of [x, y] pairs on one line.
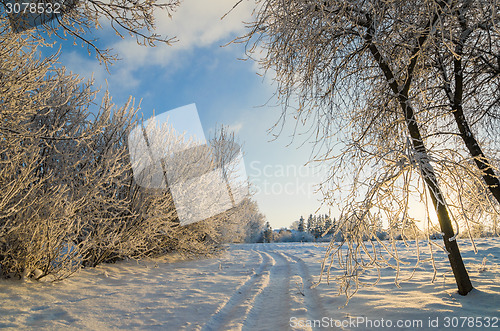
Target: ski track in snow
[[281, 278], [263, 313], [237, 307]]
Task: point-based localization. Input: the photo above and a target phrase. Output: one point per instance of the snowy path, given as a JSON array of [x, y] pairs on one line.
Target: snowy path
[[278, 290], [250, 287]]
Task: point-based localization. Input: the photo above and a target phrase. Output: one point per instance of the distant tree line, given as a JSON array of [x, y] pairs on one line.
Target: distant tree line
[[315, 228], [323, 228]]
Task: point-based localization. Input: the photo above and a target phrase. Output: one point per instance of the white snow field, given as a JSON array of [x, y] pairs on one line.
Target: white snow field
[[255, 287]]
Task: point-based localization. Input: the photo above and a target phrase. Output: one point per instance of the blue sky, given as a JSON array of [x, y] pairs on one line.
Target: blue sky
[[226, 91]]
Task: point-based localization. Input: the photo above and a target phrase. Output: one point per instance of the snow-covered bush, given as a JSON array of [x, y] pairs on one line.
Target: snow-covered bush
[[244, 223], [68, 196]]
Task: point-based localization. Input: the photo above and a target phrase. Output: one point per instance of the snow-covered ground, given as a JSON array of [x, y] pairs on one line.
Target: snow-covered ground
[[254, 287]]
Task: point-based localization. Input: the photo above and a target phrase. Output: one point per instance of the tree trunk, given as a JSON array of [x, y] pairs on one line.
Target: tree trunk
[[457, 265], [456, 100], [482, 162]]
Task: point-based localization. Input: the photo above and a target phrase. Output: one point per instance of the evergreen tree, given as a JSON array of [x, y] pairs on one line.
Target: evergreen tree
[[328, 224], [318, 226], [301, 224], [310, 223], [268, 233], [321, 225]]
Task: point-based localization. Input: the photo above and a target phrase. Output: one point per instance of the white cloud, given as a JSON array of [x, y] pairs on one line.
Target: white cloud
[[198, 23], [87, 67], [235, 127], [195, 24]]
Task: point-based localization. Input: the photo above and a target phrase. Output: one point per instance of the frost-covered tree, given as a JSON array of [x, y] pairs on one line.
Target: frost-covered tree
[[244, 223], [388, 80], [253, 221], [69, 166], [78, 20], [227, 156], [294, 226]]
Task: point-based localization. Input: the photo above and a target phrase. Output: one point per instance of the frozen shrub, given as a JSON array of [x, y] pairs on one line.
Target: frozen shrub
[[69, 198]]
